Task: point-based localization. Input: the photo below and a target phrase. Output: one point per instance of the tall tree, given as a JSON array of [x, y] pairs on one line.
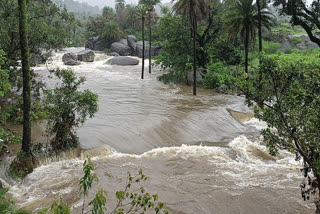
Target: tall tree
[[26, 139], [23, 163], [150, 5], [242, 18], [142, 10], [189, 8]]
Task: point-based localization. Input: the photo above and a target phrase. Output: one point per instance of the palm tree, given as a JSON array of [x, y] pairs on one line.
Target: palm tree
[[242, 18], [150, 4], [142, 10], [259, 25], [189, 8]]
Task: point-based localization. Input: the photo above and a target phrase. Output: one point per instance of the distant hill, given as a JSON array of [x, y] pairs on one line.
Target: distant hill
[[102, 3], [81, 10]]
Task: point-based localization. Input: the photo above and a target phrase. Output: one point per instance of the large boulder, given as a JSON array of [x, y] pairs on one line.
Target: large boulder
[[122, 60], [132, 43], [306, 43], [86, 55], [68, 56], [90, 44], [97, 44], [72, 62], [101, 45], [113, 54], [121, 49], [154, 49], [70, 59], [123, 41]]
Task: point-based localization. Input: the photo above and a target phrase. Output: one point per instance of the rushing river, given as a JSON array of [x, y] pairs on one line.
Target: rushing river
[[201, 153]]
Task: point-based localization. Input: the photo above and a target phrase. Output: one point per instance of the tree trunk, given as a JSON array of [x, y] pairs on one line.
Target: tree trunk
[[259, 25], [26, 139], [246, 49], [193, 24], [150, 42], [142, 72]]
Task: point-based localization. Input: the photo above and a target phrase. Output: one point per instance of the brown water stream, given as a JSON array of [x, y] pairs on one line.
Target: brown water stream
[[199, 158]]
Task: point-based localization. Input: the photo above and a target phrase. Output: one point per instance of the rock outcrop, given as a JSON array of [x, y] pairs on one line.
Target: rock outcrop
[[123, 41], [86, 55], [291, 42], [97, 44], [122, 60], [121, 49], [113, 54], [132, 43], [124, 47]]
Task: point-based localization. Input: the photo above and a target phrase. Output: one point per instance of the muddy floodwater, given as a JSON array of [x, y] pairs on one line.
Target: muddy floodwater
[[202, 154]]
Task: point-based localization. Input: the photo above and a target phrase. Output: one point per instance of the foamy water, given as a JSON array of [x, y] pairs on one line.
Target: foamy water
[[198, 158]]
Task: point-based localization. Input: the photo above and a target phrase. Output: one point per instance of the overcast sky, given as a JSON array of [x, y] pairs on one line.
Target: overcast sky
[[102, 3]]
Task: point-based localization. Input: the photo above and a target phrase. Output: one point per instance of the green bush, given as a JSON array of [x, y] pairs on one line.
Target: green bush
[[271, 47], [217, 75]]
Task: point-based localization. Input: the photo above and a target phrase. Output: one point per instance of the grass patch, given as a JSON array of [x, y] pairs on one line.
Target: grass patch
[[288, 28], [309, 56]]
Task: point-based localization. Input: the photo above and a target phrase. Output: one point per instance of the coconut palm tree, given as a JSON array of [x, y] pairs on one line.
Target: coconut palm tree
[[150, 4], [141, 11], [259, 25], [190, 9], [242, 18]]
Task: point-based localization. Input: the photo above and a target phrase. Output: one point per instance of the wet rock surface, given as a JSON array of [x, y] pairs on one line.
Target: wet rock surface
[[122, 60], [86, 55]]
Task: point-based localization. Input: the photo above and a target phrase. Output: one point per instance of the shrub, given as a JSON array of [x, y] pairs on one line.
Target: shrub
[[69, 109], [217, 75], [271, 47]]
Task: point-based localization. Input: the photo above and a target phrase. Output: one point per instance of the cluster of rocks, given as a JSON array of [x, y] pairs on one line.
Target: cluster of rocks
[[305, 43], [124, 47], [73, 59]]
